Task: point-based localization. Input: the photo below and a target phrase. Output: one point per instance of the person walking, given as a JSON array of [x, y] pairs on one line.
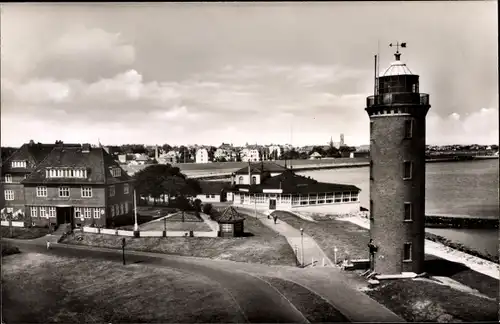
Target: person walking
[[48, 245], [275, 218]]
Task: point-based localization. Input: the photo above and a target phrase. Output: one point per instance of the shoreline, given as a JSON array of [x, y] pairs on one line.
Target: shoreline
[[441, 250]]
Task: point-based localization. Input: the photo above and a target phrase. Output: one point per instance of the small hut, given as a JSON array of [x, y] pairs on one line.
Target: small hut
[[230, 223]]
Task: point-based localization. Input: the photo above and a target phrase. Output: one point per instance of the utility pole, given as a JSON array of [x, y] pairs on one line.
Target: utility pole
[[123, 250], [302, 243], [136, 226]]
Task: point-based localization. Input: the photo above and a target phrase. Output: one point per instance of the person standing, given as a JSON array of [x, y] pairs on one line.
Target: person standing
[[275, 217]]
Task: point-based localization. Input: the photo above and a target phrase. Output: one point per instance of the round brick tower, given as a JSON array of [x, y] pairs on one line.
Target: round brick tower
[[397, 170]]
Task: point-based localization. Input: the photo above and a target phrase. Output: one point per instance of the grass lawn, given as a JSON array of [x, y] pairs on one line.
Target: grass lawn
[[39, 288], [261, 245], [314, 308], [8, 249], [24, 232], [159, 225], [421, 301], [349, 239]]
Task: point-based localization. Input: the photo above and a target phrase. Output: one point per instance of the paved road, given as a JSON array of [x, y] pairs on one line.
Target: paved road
[[259, 302]]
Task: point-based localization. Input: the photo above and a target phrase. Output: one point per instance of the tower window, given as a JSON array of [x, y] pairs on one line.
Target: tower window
[[371, 169], [414, 88], [408, 128], [408, 211], [254, 180], [407, 252], [407, 170], [371, 209]]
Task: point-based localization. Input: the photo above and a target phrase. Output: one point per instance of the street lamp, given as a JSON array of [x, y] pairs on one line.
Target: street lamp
[[136, 226], [302, 244]]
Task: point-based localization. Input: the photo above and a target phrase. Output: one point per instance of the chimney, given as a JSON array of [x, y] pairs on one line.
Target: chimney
[[32, 142], [85, 148]]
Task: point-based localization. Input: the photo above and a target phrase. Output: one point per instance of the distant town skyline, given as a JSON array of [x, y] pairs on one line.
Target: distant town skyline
[[208, 73]]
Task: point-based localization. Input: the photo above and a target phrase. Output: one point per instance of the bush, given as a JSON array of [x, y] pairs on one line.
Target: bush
[[207, 209], [197, 205], [8, 249]]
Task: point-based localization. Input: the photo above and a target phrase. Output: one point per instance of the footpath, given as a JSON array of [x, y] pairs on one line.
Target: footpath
[[328, 282], [306, 249]]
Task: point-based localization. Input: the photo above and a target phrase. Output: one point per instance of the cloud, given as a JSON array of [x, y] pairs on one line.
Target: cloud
[[478, 127]]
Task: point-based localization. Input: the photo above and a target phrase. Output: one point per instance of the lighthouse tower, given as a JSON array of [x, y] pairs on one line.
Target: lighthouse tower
[[397, 112]]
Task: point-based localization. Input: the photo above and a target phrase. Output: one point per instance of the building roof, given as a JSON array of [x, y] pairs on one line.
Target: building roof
[[32, 153], [397, 68], [260, 167], [230, 215], [97, 161], [213, 187], [291, 183]]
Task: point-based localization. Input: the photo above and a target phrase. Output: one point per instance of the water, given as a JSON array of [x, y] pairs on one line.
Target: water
[[456, 188]]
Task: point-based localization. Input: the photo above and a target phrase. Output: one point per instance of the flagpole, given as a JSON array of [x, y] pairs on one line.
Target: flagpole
[[136, 226]]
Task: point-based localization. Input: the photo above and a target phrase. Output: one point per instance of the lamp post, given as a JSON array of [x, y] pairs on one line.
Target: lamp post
[[302, 244], [123, 250], [136, 226]]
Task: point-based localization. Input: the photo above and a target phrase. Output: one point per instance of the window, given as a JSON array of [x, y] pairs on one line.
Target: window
[[63, 191], [227, 228], [33, 211], [18, 164], [371, 210], [354, 196], [87, 212], [407, 172], [346, 196], [122, 209], [212, 196], [126, 208], [78, 212], [408, 128], [111, 191], [97, 213], [240, 180], [41, 191], [10, 210], [9, 194], [43, 212], [117, 210], [8, 178], [86, 192], [65, 173], [52, 212], [371, 169], [338, 197], [407, 252], [126, 188], [408, 211], [112, 211], [254, 180], [414, 88], [116, 172]]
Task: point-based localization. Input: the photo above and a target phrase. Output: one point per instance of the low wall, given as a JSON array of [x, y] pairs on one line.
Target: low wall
[[151, 234], [14, 224], [432, 221], [108, 231], [90, 230], [124, 233]]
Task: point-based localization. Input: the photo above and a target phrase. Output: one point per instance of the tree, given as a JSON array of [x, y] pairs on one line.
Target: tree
[[166, 148], [291, 155], [318, 149], [152, 180]]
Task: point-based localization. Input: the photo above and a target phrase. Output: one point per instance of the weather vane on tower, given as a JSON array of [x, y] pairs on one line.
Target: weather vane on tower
[[397, 54]]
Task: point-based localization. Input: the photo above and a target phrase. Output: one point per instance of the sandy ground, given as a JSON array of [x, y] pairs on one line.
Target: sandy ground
[[440, 250]]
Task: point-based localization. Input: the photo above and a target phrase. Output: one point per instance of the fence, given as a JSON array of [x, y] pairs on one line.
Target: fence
[[14, 224], [148, 233]]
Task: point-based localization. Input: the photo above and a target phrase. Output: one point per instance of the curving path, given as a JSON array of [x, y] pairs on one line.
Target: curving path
[[257, 300]]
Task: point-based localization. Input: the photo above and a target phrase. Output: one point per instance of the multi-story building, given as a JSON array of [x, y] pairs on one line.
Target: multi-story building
[[16, 168], [274, 152], [202, 155], [73, 184], [397, 114], [250, 154]]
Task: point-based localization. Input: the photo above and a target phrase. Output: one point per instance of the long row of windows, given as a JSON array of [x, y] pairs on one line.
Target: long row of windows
[[308, 199], [42, 211], [65, 173], [18, 164]]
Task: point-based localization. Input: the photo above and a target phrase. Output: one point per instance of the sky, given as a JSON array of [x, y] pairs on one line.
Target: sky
[[207, 73]]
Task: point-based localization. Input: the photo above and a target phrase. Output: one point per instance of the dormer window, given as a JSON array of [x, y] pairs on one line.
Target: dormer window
[[116, 172], [18, 164], [65, 173]]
